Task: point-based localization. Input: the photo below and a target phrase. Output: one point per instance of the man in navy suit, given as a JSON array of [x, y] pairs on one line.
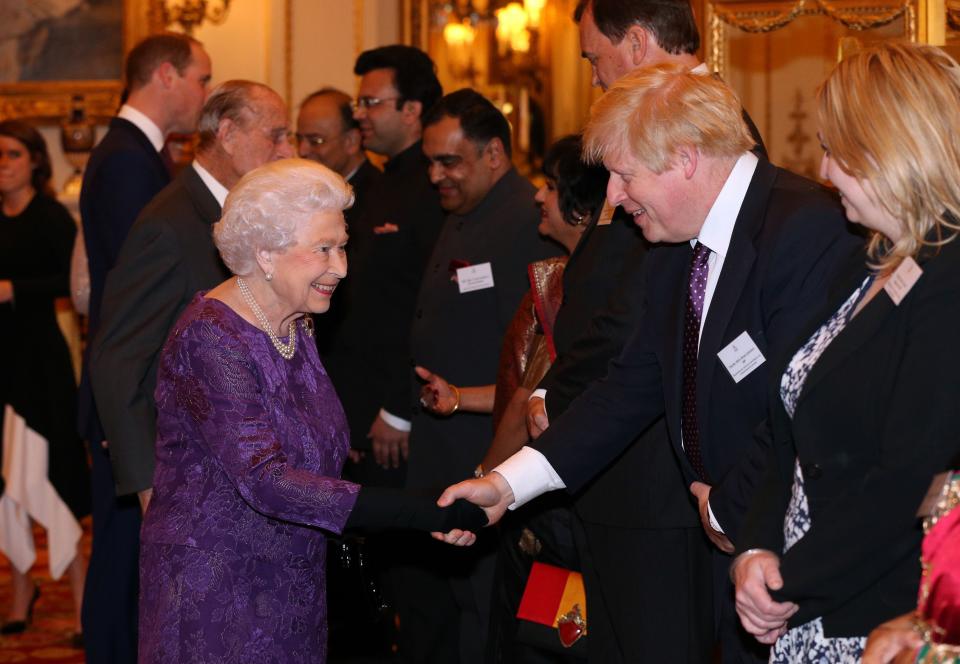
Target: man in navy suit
[[166, 78], [747, 251]]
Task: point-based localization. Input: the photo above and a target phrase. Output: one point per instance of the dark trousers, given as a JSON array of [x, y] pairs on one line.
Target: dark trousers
[[446, 613], [649, 594], [548, 518], [111, 592], [736, 645]]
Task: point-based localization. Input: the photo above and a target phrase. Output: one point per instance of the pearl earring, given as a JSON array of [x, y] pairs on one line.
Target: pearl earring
[[268, 276]]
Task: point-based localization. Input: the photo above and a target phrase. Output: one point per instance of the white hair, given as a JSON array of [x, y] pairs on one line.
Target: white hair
[[264, 208]]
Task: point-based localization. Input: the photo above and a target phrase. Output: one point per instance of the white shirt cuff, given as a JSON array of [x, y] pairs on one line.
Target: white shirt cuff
[[529, 475], [540, 393], [397, 423], [713, 520]]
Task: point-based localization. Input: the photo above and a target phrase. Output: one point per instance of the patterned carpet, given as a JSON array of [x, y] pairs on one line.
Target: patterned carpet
[[47, 639]]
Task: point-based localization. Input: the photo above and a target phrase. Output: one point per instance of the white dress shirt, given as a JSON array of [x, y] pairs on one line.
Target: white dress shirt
[[143, 123], [218, 190], [528, 472]]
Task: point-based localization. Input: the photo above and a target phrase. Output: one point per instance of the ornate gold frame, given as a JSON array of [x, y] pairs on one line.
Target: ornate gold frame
[[761, 17], [50, 101]]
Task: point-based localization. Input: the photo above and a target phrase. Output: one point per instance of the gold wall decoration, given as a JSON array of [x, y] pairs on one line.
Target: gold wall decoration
[[756, 17], [191, 14], [766, 17], [775, 54], [49, 101]]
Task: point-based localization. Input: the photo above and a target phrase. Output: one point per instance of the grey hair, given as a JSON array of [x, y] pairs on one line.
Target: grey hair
[[231, 100], [266, 206]]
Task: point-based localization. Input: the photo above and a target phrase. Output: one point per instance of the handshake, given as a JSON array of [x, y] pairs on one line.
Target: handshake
[[491, 493]]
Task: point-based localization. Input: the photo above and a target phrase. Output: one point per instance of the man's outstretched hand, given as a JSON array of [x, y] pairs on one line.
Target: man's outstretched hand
[[492, 493]]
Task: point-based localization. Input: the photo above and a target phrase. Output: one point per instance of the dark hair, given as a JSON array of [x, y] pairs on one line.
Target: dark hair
[[343, 105], [480, 120], [414, 74], [670, 22], [152, 52], [581, 187], [36, 146]]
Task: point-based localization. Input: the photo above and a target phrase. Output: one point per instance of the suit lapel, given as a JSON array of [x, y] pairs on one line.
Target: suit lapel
[[673, 340], [575, 255], [136, 134], [737, 266], [203, 200]]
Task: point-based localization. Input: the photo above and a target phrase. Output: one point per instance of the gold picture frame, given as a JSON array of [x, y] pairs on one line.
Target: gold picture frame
[[50, 101]]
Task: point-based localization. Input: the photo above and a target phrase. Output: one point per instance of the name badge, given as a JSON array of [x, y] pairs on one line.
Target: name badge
[[741, 356], [934, 494], [902, 280], [606, 214], [475, 277]]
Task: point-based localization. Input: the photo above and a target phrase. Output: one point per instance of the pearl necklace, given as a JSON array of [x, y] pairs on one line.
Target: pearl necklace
[[286, 350]]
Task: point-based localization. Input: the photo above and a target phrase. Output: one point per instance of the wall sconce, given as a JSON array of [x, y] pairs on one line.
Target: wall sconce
[[514, 23], [459, 40], [534, 9], [512, 33], [191, 13]]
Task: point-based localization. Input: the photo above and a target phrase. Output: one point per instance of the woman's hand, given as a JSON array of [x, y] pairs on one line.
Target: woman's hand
[[437, 395], [753, 573], [894, 641], [492, 493]]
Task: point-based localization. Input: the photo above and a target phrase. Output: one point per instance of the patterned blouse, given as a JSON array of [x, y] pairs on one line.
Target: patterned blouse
[[806, 643]]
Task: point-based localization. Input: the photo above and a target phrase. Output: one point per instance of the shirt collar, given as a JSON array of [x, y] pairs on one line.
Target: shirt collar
[[350, 175], [700, 69], [218, 190], [153, 133], [718, 227]]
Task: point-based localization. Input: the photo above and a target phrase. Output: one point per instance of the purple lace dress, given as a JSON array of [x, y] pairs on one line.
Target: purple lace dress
[[249, 452]]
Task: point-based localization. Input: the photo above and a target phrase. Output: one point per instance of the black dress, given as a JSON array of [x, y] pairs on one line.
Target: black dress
[[36, 375]]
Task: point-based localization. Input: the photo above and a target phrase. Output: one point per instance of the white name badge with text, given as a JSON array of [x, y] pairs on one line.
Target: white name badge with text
[[902, 280], [741, 356], [475, 277]]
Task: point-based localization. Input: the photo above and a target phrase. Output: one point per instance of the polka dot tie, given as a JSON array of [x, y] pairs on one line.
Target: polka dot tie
[[696, 288]]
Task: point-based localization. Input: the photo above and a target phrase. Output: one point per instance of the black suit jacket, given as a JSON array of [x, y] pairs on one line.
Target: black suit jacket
[[360, 222], [599, 313], [612, 263], [369, 355], [124, 172], [788, 241], [168, 256], [459, 335], [875, 420]]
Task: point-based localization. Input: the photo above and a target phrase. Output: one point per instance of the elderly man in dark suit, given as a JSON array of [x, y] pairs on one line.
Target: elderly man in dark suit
[[167, 257], [328, 134], [748, 249], [166, 78]]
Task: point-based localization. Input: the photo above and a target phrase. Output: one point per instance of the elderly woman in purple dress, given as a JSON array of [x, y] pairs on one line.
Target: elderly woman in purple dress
[[251, 439]]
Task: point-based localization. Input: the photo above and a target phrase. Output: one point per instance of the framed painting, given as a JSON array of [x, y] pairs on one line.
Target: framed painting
[[51, 51]]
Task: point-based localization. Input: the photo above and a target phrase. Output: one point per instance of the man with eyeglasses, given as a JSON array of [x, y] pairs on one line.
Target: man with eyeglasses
[[368, 356], [328, 134]]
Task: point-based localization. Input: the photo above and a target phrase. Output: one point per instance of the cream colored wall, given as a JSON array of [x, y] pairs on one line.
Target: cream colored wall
[[324, 39]]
